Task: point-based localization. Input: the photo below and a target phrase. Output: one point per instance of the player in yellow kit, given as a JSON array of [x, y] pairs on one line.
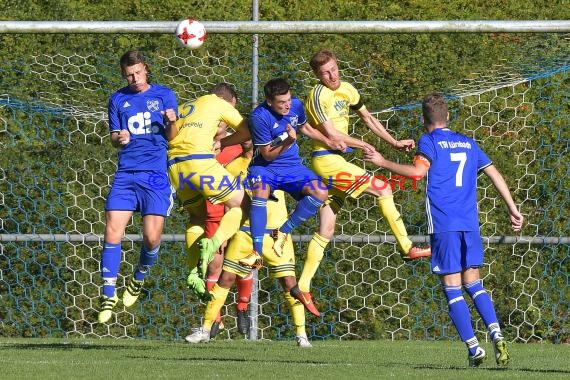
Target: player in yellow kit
[[195, 174], [280, 267], [328, 105]]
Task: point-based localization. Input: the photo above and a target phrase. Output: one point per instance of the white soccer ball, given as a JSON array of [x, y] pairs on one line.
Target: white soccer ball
[[190, 33]]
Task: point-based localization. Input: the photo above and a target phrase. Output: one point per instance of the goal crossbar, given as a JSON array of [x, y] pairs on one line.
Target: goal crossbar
[[292, 27]]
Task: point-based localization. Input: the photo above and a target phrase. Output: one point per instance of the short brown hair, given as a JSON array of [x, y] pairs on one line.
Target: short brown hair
[[434, 109], [131, 58], [320, 58], [224, 91], [274, 87]]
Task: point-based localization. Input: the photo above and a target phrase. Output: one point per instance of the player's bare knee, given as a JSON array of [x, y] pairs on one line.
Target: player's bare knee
[[385, 192], [113, 235], [287, 283], [379, 188], [151, 241], [226, 279], [236, 200], [326, 225], [320, 194], [326, 231], [261, 190]]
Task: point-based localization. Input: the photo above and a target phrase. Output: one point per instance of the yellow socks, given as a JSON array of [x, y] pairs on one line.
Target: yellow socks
[[315, 253], [214, 306], [394, 219], [297, 313], [229, 224], [193, 235]]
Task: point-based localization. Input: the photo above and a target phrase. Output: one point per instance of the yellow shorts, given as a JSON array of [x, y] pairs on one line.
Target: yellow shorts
[[238, 167], [241, 245], [344, 178], [197, 179]]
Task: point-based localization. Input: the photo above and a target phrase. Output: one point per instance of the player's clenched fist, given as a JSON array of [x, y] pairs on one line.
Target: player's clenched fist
[[170, 115], [124, 137], [291, 132]]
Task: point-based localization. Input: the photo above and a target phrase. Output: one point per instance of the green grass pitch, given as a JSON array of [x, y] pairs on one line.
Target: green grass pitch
[[23, 358]]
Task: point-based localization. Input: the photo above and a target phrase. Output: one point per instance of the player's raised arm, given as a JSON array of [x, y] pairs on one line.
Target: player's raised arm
[[339, 137], [417, 170], [241, 135], [170, 127], [315, 134], [278, 145], [376, 126], [501, 186]]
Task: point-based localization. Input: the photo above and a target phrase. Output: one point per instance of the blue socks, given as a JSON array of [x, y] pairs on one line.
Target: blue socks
[[459, 313], [258, 222], [110, 262], [484, 307], [147, 258], [305, 209]]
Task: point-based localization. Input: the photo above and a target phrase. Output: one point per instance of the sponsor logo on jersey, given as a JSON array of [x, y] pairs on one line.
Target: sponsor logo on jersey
[[295, 121], [153, 105], [140, 123]]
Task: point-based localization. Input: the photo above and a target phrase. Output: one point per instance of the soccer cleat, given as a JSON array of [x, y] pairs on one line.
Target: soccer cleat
[[253, 260], [208, 248], [501, 354], [200, 335], [303, 341], [306, 299], [242, 322], [107, 305], [280, 239], [198, 286], [132, 293], [416, 253], [478, 358], [216, 328]]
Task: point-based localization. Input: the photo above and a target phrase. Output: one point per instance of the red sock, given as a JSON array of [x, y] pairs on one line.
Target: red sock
[[244, 286]]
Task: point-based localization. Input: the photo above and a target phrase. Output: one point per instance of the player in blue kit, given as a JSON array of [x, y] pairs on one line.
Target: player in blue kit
[[140, 124], [451, 162], [277, 165]]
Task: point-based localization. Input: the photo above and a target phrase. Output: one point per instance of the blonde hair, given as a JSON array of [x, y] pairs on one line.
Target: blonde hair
[[320, 58]]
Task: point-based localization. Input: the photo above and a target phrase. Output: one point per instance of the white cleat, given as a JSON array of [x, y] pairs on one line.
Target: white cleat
[[478, 358], [303, 341], [200, 335]]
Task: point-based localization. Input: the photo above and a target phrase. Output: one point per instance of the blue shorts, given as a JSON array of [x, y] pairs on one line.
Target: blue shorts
[[291, 180], [455, 251], [148, 192]]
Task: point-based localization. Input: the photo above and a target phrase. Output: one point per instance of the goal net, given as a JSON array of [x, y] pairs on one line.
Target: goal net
[[57, 166]]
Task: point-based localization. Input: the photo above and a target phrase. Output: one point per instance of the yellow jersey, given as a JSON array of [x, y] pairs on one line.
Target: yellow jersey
[[198, 123], [324, 104]]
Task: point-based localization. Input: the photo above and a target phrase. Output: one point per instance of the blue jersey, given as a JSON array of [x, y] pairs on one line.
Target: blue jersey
[[140, 113], [266, 125], [451, 181]]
